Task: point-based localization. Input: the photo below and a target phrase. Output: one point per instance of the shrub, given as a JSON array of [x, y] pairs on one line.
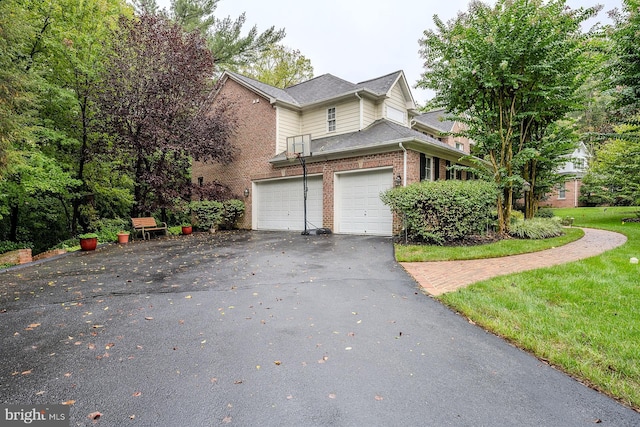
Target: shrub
[[544, 213], [88, 236], [536, 228], [443, 211], [107, 229], [7, 246], [207, 214], [233, 210]]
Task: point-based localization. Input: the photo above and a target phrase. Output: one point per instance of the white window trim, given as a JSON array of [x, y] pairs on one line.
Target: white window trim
[[562, 191], [429, 160], [331, 119]]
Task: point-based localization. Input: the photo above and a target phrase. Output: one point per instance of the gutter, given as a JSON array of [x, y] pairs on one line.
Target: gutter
[[404, 173]]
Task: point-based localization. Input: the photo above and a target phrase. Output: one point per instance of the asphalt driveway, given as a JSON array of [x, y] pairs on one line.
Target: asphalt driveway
[[265, 329]]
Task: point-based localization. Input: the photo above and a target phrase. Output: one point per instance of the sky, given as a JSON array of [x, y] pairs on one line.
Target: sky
[[358, 40]]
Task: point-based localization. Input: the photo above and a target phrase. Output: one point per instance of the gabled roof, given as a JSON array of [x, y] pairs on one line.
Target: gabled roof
[[264, 89], [321, 88], [434, 120], [379, 135]]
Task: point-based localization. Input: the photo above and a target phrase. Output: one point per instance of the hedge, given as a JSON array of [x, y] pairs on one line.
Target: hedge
[[441, 212]]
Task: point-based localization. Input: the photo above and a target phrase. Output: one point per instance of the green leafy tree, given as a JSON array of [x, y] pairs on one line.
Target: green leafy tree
[[508, 72], [280, 66], [617, 166], [231, 45], [625, 68], [18, 85]]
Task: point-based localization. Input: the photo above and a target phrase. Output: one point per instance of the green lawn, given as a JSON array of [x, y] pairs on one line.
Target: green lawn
[[419, 253], [583, 317]]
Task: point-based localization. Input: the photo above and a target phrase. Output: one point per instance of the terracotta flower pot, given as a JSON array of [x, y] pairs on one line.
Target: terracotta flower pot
[[187, 229], [123, 238], [89, 244]]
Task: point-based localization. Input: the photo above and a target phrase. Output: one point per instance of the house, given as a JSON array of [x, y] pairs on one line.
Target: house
[[567, 193], [363, 137]]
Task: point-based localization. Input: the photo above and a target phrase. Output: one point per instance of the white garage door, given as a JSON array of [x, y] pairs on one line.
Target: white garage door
[[359, 209], [280, 204]]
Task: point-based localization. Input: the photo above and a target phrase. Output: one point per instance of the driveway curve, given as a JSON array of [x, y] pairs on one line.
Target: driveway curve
[[265, 329], [438, 277]]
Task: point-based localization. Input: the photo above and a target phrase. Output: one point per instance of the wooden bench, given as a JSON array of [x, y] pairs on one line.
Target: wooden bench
[[146, 225]]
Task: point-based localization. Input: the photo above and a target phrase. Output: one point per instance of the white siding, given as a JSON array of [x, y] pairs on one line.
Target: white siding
[[289, 124], [397, 101], [369, 112], [347, 119]]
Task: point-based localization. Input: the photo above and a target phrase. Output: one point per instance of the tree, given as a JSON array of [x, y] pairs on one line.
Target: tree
[[625, 69], [508, 72], [157, 104], [231, 50], [17, 85], [617, 167], [280, 66]]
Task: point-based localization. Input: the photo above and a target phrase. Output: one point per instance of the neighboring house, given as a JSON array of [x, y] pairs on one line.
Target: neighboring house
[[365, 138], [566, 194]]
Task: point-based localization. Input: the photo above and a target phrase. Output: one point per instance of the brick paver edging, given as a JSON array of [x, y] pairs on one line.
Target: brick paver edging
[[438, 277]]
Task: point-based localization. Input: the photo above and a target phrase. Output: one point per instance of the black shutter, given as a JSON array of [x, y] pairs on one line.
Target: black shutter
[[423, 165], [436, 168]]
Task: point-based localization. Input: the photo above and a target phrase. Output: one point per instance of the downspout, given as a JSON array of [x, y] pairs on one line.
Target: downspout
[[404, 173], [575, 191], [361, 111]]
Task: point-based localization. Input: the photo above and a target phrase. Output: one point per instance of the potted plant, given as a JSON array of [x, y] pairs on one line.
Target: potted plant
[[187, 229], [88, 241], [123, 237]]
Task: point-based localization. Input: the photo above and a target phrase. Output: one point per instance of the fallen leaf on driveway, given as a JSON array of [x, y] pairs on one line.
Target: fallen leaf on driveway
[[148, 318], [332, 395], [379, 397], [226, 420], [137, 393], [69, 402], [94, 415], [26, 372]]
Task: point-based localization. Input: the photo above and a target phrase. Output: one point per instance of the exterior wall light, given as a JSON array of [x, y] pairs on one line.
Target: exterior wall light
[[398, 180], [246, 192]]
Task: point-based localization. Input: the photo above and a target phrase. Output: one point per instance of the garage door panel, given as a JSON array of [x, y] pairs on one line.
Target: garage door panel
[[360, 210], [280, 204]]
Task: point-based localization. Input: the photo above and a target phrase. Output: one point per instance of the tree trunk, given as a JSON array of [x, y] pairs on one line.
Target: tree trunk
[[13, 221]]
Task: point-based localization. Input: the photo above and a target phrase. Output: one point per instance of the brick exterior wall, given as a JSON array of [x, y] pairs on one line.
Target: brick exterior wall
[[254, 141], [572, 189]]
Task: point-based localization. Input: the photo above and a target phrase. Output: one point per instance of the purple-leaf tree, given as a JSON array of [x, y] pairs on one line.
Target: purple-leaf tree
[[156, 101]]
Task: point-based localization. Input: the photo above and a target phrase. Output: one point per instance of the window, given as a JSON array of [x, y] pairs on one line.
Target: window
[[450, 172], [395, 115], [426, 168], [562, 191], [200, 181], [460, 146], [331, 119]]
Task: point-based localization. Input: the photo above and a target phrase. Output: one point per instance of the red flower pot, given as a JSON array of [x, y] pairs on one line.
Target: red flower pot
[[89, 244], [123, 238], [187, 229]]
